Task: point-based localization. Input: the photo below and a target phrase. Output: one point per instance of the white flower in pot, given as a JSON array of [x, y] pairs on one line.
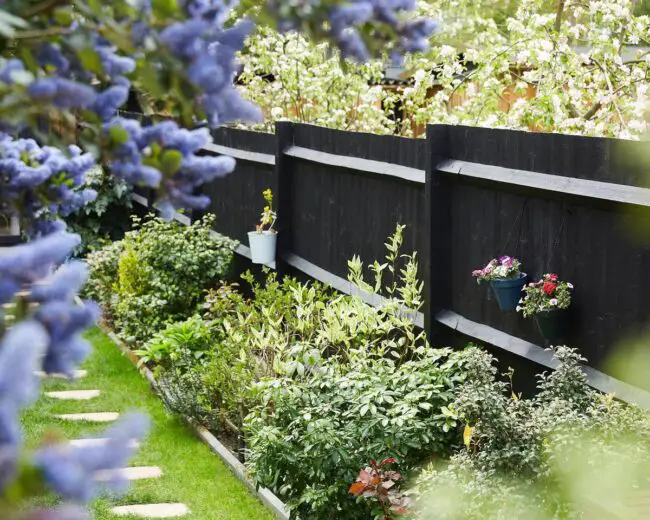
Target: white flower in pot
[[263, 240]]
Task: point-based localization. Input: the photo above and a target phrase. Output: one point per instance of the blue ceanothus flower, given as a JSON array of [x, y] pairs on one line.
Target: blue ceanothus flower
[[346, 18], [70, 470], [65, 323], [42, 181], [28, 263], [19, 352], [177, 189]]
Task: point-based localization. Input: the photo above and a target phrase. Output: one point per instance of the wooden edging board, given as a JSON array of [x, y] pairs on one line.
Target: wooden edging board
[[267, 497]]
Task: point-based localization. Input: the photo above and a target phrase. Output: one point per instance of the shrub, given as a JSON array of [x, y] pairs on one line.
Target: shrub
[[162, 272], [287, 323], [185, 394], [103, 266], [192, 336], [531, 458], [310, 433], [107, 217]]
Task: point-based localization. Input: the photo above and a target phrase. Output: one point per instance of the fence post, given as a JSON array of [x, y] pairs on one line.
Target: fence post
[[282, 191], [438, 240]]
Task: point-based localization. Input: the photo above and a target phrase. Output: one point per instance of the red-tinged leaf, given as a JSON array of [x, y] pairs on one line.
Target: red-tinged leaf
[[357, 488], [373, 462], [389, 460]]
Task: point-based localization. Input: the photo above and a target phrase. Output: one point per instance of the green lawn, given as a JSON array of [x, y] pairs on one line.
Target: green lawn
[[192, 474]]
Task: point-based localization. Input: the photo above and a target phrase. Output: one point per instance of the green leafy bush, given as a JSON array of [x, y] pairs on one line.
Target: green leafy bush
[[310, 434], [288, 324], [185, 394], [107, 217], [160, 274], [192, 336], [547, 457], [102, 287]]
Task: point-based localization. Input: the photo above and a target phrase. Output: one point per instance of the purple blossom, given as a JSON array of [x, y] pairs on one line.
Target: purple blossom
[[114, 64], [19, 351], [50, 55], [108, 101], [13, 65], [27, 263], [70, 470], [63, 93], [64, 323], [62, 285]]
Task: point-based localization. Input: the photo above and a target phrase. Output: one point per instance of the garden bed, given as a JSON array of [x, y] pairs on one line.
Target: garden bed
[[222, 446], [321, 385]]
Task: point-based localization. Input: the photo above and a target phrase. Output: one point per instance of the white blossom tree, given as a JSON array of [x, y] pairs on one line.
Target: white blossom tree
[[567, 66], [294, 79], [564, 66]]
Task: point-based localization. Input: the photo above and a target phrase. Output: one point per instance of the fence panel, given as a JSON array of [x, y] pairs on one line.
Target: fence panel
[[564, 204], [237, 198], [589, 243], [338, 212]]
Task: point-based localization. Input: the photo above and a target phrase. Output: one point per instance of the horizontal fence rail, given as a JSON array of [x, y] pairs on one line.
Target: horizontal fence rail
[[466, 195], [606, 191]]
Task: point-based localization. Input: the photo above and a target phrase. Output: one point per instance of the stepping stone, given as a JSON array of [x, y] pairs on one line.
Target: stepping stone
[[90, 417], [136, 473], [152, 510], [76, 374], [74, 395], [95, 443]]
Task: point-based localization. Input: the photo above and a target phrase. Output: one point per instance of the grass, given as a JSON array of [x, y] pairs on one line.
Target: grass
[[192, 474]]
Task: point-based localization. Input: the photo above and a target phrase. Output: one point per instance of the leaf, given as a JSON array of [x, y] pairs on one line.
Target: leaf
[[9, 23], [118, 135], [357, 488], [467, 435], [170, 162], [90, 60], [164, 8]]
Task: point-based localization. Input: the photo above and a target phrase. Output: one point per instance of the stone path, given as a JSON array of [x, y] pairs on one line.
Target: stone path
[[90, 417], [152, 510], [171, 510], [74, 395]]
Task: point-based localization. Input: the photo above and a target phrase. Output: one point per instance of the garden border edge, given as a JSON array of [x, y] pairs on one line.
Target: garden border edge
[[265, 495]]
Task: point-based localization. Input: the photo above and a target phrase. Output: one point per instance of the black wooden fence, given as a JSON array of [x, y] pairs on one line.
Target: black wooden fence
[[572, 205]]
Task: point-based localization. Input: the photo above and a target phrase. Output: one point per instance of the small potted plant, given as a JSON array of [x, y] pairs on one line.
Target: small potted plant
[[506, 280], [547, 301], [263, 240]]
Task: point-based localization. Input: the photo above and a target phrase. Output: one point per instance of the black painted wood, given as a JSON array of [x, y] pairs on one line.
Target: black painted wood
[[336, 208], [236, 199]]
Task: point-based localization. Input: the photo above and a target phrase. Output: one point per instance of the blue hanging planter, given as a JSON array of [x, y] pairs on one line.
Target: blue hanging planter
[[508, 291]]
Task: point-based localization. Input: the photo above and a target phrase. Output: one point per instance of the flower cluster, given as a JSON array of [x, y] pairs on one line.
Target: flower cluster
[[72, 471], [208, 50], [579, 70], [346, 20], [165, 156], [40, 182], [503, 268], [547, 294]]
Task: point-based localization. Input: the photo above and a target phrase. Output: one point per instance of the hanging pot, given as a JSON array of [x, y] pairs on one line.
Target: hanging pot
[[551, 323], [508, 291], [262, 246]]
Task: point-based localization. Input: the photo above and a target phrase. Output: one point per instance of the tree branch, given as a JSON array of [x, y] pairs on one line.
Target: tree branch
[[43, 7], [558, 15]]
